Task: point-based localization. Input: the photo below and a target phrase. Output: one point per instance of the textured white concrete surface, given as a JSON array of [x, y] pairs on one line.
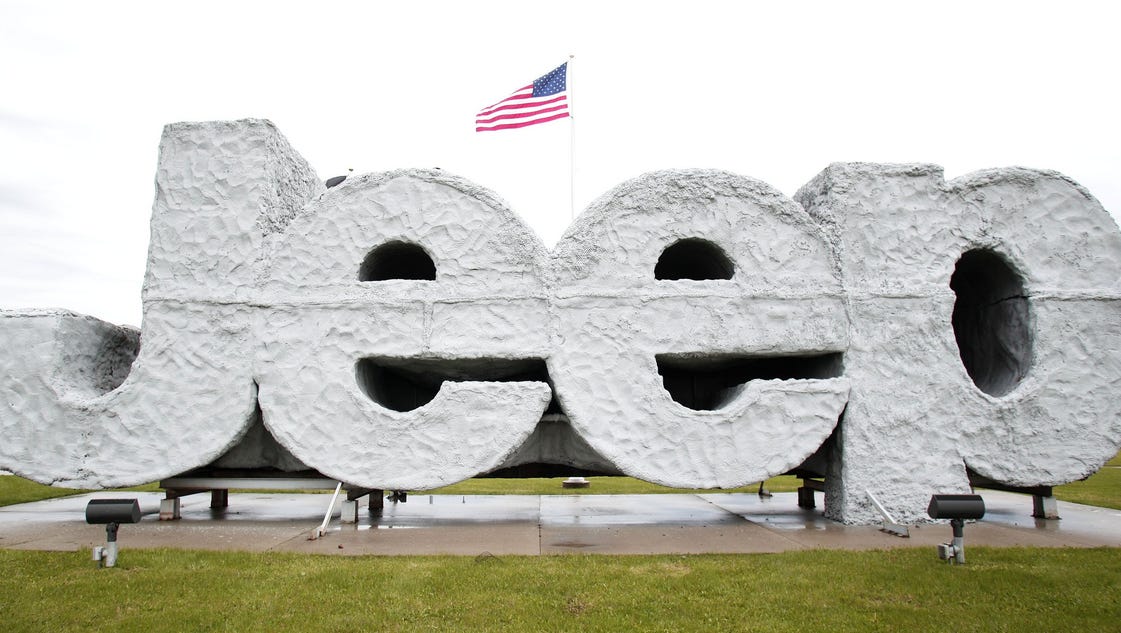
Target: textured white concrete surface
[[190, 395], [268, 343], [915, 419], [487, 301], [614, 317]]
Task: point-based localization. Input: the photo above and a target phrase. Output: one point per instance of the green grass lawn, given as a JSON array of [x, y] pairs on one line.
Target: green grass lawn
[[19, 490], [1002, 589], [899, 590], [1102, 489]]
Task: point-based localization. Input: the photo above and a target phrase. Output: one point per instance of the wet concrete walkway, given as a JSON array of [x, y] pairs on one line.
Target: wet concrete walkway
[[535, 525]]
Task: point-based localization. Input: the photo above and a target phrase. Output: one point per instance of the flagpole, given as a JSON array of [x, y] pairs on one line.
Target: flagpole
[[571, 145]]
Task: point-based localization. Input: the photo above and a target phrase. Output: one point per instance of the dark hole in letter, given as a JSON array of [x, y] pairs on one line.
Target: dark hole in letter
[[695, 259], [397, 260], [404, 384], [706, 383], [992, 321]]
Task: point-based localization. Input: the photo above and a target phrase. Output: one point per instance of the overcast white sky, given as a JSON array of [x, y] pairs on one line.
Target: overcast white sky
[[772, 90]]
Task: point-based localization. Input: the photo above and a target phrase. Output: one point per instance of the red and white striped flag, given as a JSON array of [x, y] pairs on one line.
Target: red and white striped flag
[[544, 100]]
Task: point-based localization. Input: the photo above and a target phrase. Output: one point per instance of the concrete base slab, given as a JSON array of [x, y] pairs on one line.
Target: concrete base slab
[[532, 525], [424, 510], [501, 539], [600, 510], [738, 538]]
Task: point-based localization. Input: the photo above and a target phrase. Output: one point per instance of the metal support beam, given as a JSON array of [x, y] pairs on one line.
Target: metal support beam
[[219, 483], [175, 493], [353, 494], [200, 484], [889, 524]]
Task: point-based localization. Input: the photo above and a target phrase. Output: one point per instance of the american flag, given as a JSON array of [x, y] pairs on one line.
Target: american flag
[[544, 100]]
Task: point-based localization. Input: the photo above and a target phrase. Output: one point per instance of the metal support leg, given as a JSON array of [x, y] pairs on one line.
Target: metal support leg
[[1044, 507], [170, 509], [959, 540], [349, 511], [110, 557], [219, 499], [377, 501], [806, 497]]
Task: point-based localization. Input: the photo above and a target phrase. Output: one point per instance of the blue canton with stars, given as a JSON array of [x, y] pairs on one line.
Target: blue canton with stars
[[551, 83]]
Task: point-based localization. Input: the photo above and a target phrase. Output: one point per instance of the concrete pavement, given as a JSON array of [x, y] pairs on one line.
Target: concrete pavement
[[535, 525]]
